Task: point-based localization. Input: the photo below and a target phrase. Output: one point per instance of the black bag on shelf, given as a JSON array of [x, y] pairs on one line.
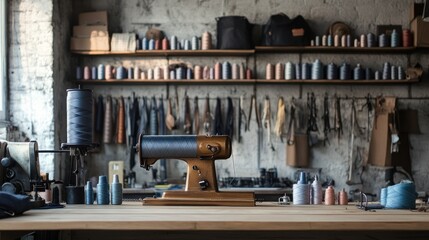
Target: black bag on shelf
[[280, 30], [234, 32]]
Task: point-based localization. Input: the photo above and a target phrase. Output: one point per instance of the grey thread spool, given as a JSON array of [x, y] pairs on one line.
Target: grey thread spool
[[349, 40], [89, 193], [120, 72], [206, 42], [368, 74], [377, 75], [269, 73], [279, 71], [173, 43], [393, 73], [100, 72], [356, 43], [189, 74], [187, 45], [317, 70], [312, 43], [130, 74], [79, 116], [226, 71], [395, 40], [157, 73], [330, 41], [78, 73], [362, 40], [172, 74], [317, 41], [386, 71], [370, 40], [152, 44], [306, 71], [195, 43], [324, 41], [301, 194], [235, 71], [289, 71], [212, 73], [206, 72], [317, 193], [382, 40], [138, 44], [345, 72], [179, 73], [145, 44], [401, 73], [332, 71], [102, 191], [93, 73], [358, 73], [116, 191], [297, 71]]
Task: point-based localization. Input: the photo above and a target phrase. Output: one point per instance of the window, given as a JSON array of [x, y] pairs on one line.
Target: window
[[3, 55]]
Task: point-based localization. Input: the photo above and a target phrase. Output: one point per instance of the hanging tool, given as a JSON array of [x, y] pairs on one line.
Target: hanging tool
[[241, 117], [218, 122], [370, 107], [291, 127], [326, 120], [108, 125], [354, 124], [266, 119], [120, 129], [207, 117], [337, 118], [100, 117], [196, 116], [281, 118], [153, 123], [134, 117], [187, 116], [253, 104], [312, 128], [144, 117], [170, 120], [229, 123]]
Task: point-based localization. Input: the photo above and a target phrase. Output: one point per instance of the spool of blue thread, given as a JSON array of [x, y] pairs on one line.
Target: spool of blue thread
[[120, 72], [358, 73], [382, 40], [226, 70], [401, 73], [189, 74], [330, 41], [116, 191], [297, 71], [332, 71], [78, 73], [195, 43], [383, 196], [368, 74], [370, 38], [151, 44], [317, 70], [401, 196], [306, 71], [100, 72], [179, 73], [102, 191], [89, 193], [93, 73], [290, 71], [386, 71], [395, 40], [393, 72], [345, 72], [130, 74], [145, 44], [173, 43]]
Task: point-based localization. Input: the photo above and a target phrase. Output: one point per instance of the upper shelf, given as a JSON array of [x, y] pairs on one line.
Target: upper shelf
[[247, 52]]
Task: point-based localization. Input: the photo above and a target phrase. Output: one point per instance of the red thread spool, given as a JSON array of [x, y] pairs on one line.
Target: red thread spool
[[343, 198], [217, 71], [165, 44], [407, 38], [248, 74], [206, 41], [157, 44], [109, 72], [330, 196]]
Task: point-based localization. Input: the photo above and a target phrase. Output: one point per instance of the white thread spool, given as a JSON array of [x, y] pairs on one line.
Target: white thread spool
[[269, 72], [344, 41], [172, 74], [136, 73], [157, 73], [362, 40], [317, 193], [150, 74], [235, 71], [324, 40], [356, 43], [301, 194], [166, 74], [142, 75], [289, 71]]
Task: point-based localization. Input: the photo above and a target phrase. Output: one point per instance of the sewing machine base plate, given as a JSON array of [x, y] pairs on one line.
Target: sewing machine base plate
[[199, 198]]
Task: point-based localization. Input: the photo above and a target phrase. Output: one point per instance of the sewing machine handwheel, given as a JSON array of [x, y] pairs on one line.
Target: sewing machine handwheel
[[203, 184]]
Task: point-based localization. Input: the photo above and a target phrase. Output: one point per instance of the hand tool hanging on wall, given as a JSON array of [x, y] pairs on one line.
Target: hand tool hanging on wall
[[369, 107], [218, 122], [266, 120], [134, 117], [170, 120], [196, 117], [326, 120], [120, 127], [253, 104], [100, 117], [144, 117], [162, 131], [281, 118], [153, 124], [188, 121], [176, 107], [312, 129], [241, 117], [108, 121], [229, 123], [354, 124], [128, 121], [207, 117], [337, 118]]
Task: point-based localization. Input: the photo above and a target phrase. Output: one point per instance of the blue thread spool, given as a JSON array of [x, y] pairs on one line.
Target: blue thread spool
[[195, 43], [130, 74], [187, 45], [89, 193], [179, 73], [317, 70], [173, 43], [345, 72], [386, 71], [368, 74], [330, 41], [212, 73], [151, 44], [393, 72], [383, 196], [382, 40], [395, 40], [93, 73], [370, 38], [100, 72], [189, 74], [401, 73], [138, 44], [145, 44], [317, 41], [349, 40], [116, 191], [78, 73], [226, 71], [306, 71], [102, 191], [401, 196], [120, 72], [332, 71], [358, 73], [290, 71], [297, 71]]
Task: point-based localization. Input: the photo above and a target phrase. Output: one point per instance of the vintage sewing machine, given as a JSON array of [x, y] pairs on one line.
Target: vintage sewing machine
[[199, 152]]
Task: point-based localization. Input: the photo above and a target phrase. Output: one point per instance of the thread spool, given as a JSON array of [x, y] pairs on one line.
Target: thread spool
[[217, 71], [79, 116], [393, 73], [242, 71], [198, 73], [116, 191], [101, 72], [226, 71], [302, 178], [312, 43], [332, 71], [317, 70], [377, 75], [343, 198], [345, 73], [149, 75], [145, 44], [138, 44], [109, 72], [120, 72], [78, 73], [151, 44], [173, 43], [130, 74], [279, 71], [395, 39], [383, 196], [187, 45], [356, 43], [93, 73], [189, 73], [317, 41], [289, 71], [249, 74], [195, 43], [86, 73], [368, 74], [165, 72], [172, 74], [324, 41], [401, 73], [358, 73], [401, 196], [349, 40], [102, 191], [89, 193], [165, 43], [179, 73], [108, 121], [386, 71], [136, 73], [336, 40], [370, 38], [343, 41], [306, 71], [269, 73], [157, 73], [406, 38], [206, 42], [316, 189], [235, 71], [297, 71], [212, 73], [206, 72], [157, 44], [330, 196], [330, 41], [143, 75], [301, 194], [382, 40]]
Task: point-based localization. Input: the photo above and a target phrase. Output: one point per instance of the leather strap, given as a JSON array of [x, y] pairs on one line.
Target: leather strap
[[281, 118], [218, 122], [229, 124], [108, 121], [188, 123], [120, 132], [196, 117]]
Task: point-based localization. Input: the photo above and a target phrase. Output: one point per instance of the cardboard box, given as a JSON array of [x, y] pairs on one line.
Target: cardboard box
[[90, 31], [93, 18], [91, 43], [421, 33]]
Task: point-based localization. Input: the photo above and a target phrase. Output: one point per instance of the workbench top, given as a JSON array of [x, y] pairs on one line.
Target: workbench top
[[263, 217]]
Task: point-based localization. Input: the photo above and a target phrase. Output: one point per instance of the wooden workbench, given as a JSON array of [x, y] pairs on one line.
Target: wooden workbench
[[264, 221]]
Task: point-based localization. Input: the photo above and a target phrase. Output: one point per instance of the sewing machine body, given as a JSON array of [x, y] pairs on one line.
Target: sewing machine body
[[199, 152]]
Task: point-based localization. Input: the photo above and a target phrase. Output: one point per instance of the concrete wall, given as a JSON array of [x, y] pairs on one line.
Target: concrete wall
[[178, 18]]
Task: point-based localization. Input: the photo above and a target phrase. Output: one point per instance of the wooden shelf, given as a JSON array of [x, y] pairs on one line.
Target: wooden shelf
[[165, 53], [355, 50], [242, 81]]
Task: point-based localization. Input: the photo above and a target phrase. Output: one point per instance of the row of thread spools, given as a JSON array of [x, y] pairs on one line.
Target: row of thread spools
[[196, 43], [395, 39], [304, 193], [223, 70], [103, 195], [317, 71]]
